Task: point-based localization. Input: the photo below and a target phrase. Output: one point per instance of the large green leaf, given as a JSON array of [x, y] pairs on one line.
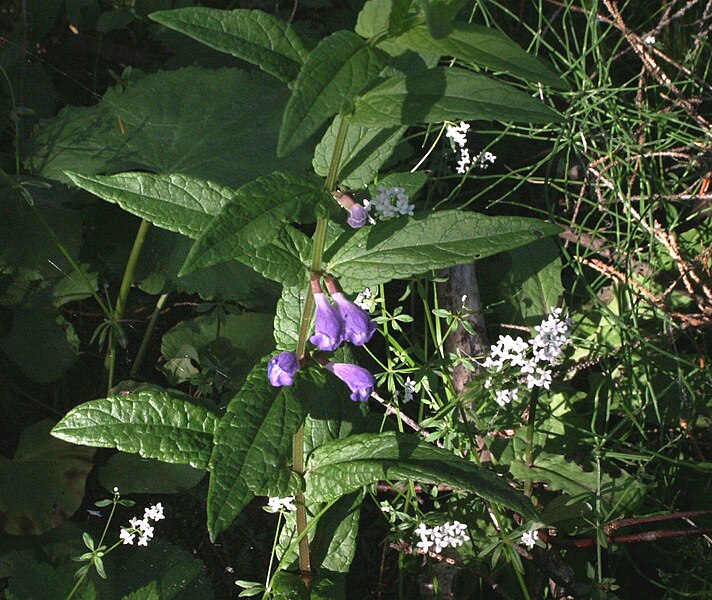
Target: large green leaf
[[383, 16], [133, 474], [407, 246], [484, 46], [153, 422], [252, 35], [285, 259], [254, 217], [342, 466], [447, 94], [212, 124], [336, 70], [252, 447], [440, 14], [175, 202], [365, 150], [288, 316], [43, 484]]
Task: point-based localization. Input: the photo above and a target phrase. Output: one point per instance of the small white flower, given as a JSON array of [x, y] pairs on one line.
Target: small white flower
[[382, 205], [408, 390], [486, 159], [276, 504], [529, 538], [366, 300], [154, 512], [649, 40], [424, 544], [385, 507], [505, 397], [126, 536]]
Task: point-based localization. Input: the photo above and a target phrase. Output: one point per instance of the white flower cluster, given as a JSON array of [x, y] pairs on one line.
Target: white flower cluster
[[649, 40], [276, 504], [458, 134], [142, 527], [529, 538], [389, 203], [534, 359], [441, 536], [366, 300]]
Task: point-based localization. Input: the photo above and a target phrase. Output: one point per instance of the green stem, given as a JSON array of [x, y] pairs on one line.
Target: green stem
[[147, 336], [529, 452], [126, 284], [77, 585], [298, 442]]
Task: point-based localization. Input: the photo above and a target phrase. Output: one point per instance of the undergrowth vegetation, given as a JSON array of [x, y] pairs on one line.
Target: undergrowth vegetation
[[385, 299]]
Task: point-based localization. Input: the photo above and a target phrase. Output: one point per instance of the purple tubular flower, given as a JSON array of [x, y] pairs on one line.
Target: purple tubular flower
[[358, 379], [328, 326], [357, 216], [281, 369], [359, 327]]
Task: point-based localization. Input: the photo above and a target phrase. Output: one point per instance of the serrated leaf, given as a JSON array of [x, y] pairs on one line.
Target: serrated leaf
[[254, 36], [154, 422], [284, 260], [334, 544], [174, 202], [411, 182], [212, 124], [340, 67], [447, 94], [484, 46], [252, 447], [439, 15], [288, 316], [254, 218], [365, 150], [147, 592], [343, 466], [538, 267], [407, 246]]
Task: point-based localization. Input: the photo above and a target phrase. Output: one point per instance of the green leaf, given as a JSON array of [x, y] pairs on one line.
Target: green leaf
[[334, 544], [43, 484], [153, 422], [342, 466], [407, 246], [252, 447], [439, 15], [382, 16], [254, 36], [226, 346], [174, 202], [411, 182], [447, 94], [288, 317], [32, 580], [484, 46], [335, 71], [254, 218], [365, 150], [147, 592], [135, 475], [212, 124]]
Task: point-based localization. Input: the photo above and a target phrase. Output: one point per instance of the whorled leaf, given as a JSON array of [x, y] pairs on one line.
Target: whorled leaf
[[154, 422]]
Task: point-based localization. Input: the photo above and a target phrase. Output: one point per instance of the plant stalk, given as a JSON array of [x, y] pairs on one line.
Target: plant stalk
[[126, 283], [529, 453], [147, 336], [298, 441]]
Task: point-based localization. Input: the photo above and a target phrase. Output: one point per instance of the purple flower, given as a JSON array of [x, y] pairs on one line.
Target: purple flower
[[358, 379], [358, 216], [359, 327], [281, 369], [328, 326]]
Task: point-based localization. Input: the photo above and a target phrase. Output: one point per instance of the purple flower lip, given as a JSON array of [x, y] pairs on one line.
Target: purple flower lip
[[357, 378], [282, 368], [328, 325], [359, 327], [358, 216]]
